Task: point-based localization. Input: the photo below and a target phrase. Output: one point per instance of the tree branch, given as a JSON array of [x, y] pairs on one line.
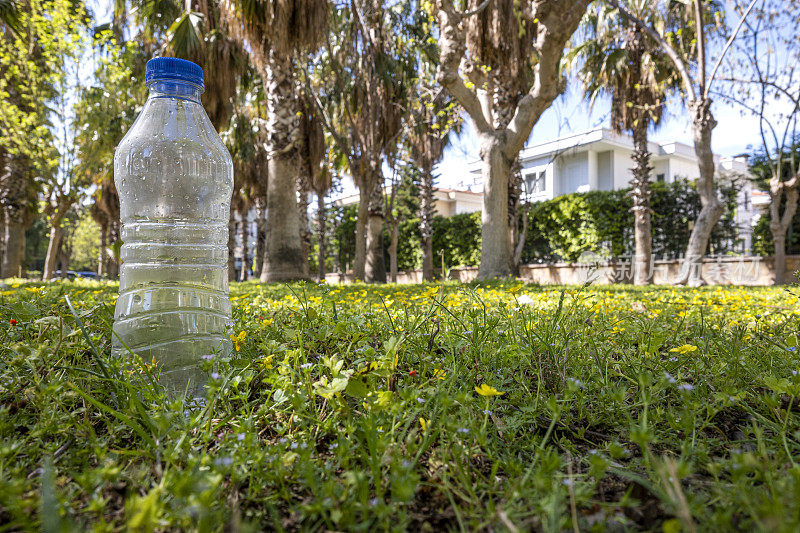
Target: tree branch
[[727, 46], [452, 47], [554, 29], [477, 10], [701, 46]]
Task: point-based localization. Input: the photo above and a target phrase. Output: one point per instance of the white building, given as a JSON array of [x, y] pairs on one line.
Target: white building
[[600, 159]]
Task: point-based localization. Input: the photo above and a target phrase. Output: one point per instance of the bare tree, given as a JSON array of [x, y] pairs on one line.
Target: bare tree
[[764, 80]]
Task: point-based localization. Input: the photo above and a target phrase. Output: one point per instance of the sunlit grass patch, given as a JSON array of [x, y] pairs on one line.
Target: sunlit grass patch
[[392, 407]]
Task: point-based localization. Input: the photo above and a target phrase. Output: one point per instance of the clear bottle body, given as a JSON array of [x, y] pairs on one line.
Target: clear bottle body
[[174, 178]]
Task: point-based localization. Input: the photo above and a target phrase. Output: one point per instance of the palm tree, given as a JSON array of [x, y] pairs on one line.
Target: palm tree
[[197, 35], [272, 32], [192, 30], [364, 80], [616, 58], [245, 143]]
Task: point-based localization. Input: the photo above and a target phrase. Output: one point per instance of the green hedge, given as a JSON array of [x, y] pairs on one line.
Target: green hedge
[[558, 230], [566, 226], [601, 221]]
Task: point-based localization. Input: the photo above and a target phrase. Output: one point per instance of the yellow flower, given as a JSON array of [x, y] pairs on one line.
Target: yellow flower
[[486, 390], [424, 424], [152, 364], [439, 373], [266, 362], [686, 348], [238, 339]]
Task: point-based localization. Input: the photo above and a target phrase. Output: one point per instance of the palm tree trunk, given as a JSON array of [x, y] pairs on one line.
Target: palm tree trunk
[[395, 237], [703, 124], [321, 237], [113, 261], [359, 261], [302, 212], [375, 264], [283, 255], [426, 223], [101, 254], [640, 191], [232, 245], [495, 235]]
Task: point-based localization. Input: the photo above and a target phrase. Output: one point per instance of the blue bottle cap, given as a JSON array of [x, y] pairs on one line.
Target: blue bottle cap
[[172, 68]]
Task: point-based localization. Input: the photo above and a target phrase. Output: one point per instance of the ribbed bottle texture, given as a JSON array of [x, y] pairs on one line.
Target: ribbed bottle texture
[[174, 178]]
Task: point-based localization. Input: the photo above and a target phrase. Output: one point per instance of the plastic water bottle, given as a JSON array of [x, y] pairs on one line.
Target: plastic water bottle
[[174, 177]]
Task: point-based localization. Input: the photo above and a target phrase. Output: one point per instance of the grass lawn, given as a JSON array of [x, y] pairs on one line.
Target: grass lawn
[[426, 407]]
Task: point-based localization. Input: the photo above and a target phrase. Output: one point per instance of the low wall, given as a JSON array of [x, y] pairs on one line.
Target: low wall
[[752, 271]]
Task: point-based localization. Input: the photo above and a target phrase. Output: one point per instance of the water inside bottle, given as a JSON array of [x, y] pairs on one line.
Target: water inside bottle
[[174, 178]]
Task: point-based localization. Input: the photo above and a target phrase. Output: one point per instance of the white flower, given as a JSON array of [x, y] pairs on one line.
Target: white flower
[[525, 300]]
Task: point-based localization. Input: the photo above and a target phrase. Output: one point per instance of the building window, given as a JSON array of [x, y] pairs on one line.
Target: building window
[[535, 182], [659, 177]]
